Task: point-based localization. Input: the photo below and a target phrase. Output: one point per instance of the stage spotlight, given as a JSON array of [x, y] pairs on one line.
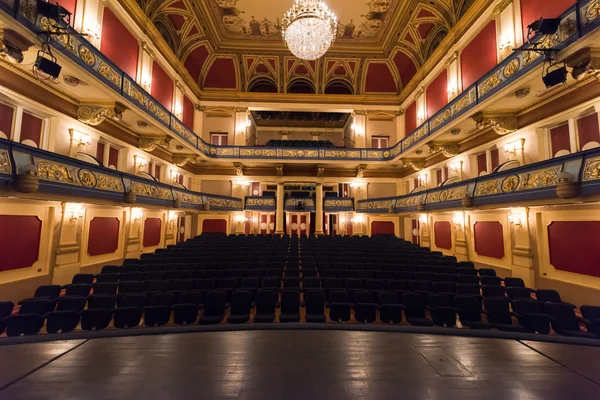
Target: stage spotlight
[[556, 77], [544, 26], [47, 64]]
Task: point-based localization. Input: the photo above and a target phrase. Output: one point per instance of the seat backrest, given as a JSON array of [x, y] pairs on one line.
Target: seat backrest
[[240, 302], [491, 280], [527, 306], [518, 293], [514, 282], [467, 288], [546, 295], [375, 284], [467, 271], [132, 287], [315, 301], [162, 299], [83, 278], [396, 285], [353, 283], [102, 301], [227, 283], [107, 277], [78, 289], [413, 301], [250, 283], [339, 296], [36, 306], [312, 283], [487, 272], [205, 284], [190, 298], [132, 276], [265, 301], [71, 304], [591, 313], [333, 283], [467, 304], [387, 298], [110, 269], [290, 301], [563, 316], [133, 300], [438, 300], [496, 306], [492, 291], [6, 308], [47, 291], [271, 283], [214, 303], [444, 287], [363, 297]]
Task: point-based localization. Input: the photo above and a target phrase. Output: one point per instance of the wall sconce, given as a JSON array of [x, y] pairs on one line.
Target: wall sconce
[[357, 185], [139, 163], [174, 176], [241, 183], [422, 179], [423, 219], [452, 89], [358, 219], [513, 149], [147, 83], [178, 111], [172, 216], [505, 44], [240, 218], [73, 212], [517, 219], [420, 117], [456, 167], [359, 130], [458, 219], [136, 214], [92, 32], [81, 139]]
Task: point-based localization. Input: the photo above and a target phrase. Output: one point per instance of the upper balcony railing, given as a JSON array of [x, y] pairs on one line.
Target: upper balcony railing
[[30, 170], [577, 21], [559, 178]]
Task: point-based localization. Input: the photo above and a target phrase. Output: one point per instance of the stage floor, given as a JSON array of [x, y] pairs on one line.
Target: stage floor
[[299, 365]]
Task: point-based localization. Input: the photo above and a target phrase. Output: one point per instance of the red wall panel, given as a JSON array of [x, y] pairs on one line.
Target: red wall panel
[[489, 239], [406, 67], [532, 10], [113, 157], [481, 163], [162, 86], [410, 118], [214, 226], [104, 236], [19, 241], [479, 56], [195, 61], [575, 246], [152, 229], [100, 152], [437, 93], [382, 228], [31, 128], [495, 159], [188, 113], [379, 79], [118, 44], [587, 130], [559, 139], [221, 74], [443, 234], [6, 120]]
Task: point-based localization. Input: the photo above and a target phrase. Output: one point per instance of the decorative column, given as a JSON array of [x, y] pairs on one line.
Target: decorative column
[[279, 215], [461, 244], [359, 127], [199, 120], [241, 126], [319, 211], [522, 253], [68, 262]]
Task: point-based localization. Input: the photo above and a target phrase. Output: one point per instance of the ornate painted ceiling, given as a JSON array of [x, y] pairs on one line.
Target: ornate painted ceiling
[[236, 45]]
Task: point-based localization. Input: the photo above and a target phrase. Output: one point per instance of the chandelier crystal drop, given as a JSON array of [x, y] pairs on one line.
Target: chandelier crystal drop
[[309, 28]]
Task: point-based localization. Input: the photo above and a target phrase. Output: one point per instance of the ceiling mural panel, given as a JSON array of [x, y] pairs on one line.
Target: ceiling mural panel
[[381, 44], [261, 19]]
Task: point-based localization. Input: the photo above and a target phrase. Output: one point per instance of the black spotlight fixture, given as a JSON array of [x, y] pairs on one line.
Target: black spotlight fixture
[[47, 64], [555, 77], [53, 11], [543, 26]]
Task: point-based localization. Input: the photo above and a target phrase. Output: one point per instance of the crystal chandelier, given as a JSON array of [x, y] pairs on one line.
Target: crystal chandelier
[[309, 28]]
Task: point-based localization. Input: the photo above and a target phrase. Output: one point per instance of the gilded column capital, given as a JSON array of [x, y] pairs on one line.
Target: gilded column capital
[[449, 150], [181, 160], [501, 124], [95, 114]]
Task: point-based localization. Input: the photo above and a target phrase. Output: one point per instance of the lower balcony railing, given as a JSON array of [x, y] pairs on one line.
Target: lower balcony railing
[[559, 178]]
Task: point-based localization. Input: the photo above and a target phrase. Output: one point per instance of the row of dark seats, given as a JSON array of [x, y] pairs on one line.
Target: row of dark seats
[[300, 143]]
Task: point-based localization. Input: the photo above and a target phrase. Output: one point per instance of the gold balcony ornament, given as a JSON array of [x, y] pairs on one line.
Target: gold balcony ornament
[[149, 144], [501, 124], [309, 29]]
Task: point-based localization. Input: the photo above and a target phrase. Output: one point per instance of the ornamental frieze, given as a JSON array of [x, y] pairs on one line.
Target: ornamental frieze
[[262, 202], [5, 164], [56, 172], [147, 190], [295, 201], [415, 137], [591, 171], [487, 188], [224, 203], [188, 198], [408, 201], [539, 179], [338, 203]]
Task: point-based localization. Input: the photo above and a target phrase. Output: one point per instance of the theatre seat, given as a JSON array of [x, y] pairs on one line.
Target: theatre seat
[[441, 308], [240, 307], [265, 306], [6, 308], [470, 312], [339, 306], [530, 315], [66, 316], [158, 312], [290, 306], [99, 312], [498, 314], [214, 307], [186, 311], [413, 305], [30, 318], [128, 313], [564, 321], [365, 308], [390, 312], [315, 306], [592, 315]]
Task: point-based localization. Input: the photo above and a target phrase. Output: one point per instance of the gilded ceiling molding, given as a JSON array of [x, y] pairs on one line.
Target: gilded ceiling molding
[[501, 124], [218, 112], [360, 171], [449, 150], [95, 114], [501, 6], [149, 144], [417, 165], [239, 169], [181, 160], [320, 171]]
